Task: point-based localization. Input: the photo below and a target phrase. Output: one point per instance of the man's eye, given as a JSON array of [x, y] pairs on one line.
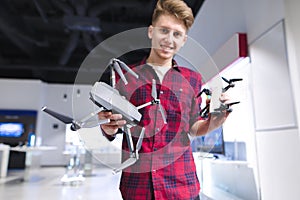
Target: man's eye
[[164, 30], [177, 34]]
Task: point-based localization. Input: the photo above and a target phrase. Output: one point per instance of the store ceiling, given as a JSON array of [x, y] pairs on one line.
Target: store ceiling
[[48, 40]]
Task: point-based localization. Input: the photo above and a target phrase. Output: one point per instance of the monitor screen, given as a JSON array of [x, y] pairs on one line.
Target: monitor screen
[[212, 142], [11, 129]]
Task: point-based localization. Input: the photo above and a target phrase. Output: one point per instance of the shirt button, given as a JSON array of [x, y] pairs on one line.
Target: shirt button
[[157, 129], [161, 92]]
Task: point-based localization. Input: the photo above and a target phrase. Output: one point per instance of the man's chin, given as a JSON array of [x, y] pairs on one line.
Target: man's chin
[[166, 54]]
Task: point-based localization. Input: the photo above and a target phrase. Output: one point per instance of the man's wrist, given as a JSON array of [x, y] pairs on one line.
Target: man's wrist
[[108, 136], [113, 136]]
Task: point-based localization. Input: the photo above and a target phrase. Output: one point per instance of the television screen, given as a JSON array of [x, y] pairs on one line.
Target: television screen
[[11, 129], [212, 142]]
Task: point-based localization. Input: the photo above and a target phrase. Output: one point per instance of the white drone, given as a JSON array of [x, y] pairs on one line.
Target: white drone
[[107, 98]]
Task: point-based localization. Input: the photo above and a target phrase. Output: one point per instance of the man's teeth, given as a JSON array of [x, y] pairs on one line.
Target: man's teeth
[[166, 47]]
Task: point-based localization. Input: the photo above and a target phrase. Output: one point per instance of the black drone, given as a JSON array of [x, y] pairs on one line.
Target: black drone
[[205, 111]]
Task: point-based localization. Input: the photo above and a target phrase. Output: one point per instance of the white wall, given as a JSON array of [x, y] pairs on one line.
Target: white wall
[[215, 24], [292, 16], [278, 170], [279, 167], [56, 97], [261, 15], [20, 94]]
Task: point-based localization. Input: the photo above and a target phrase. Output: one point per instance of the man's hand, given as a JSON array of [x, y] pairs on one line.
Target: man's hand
[[213, 121], [216, 120], [224, 98], [115, 123]]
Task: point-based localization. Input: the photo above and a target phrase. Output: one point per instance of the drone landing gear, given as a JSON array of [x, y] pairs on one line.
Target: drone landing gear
[[133, 154]]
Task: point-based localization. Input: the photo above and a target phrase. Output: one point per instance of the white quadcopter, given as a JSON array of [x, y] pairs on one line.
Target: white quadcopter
[[107, 98]]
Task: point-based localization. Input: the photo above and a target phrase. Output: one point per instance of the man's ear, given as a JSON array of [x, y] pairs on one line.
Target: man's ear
[[150, 31]]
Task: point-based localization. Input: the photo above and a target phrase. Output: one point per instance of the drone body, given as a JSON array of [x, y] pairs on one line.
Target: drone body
[[104, 95], [207, 109]]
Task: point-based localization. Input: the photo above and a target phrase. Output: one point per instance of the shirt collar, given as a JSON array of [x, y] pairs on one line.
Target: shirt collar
[[174, 64]]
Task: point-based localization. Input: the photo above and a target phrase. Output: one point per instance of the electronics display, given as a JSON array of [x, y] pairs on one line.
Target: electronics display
[[212, 142], [11, 129], [14, 130], [15, 126]]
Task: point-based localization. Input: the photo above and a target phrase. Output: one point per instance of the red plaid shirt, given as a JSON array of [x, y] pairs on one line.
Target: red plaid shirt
[[166, 168]]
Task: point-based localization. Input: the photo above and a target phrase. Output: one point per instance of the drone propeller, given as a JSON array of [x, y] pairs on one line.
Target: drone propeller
[[140, 140], [230, 104], [75, 125], [63, 118], [236, 79], [154, 92], [226, 107], [163, 114], [117, 64], [117, 67], [157, 101], [230, 83], [206, 91], [228, 86], [125, 67], [232, 80]]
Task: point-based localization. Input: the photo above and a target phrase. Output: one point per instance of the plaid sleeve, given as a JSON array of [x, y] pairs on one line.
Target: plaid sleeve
[[197, 100]]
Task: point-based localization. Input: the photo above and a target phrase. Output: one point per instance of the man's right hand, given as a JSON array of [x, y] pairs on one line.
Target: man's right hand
[[116, 122]]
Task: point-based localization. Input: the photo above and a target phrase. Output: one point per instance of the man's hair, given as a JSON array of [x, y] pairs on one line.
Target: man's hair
[[177, 8]]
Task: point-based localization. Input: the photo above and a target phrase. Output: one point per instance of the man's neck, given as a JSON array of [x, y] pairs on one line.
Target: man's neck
[[159, 62]]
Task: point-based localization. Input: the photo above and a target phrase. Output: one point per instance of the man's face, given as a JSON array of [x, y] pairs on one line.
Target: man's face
[[168, 35]]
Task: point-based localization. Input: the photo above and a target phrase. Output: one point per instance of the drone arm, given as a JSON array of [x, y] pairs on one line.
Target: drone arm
[[129, 139], [135, 156], [163, 114], [125, 164], [226, 107], [227, 87], [113, 77], [92, 114], [92, 119], [204, 111]]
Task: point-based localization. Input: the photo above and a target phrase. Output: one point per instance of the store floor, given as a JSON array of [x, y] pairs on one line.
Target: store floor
[[45, 183]]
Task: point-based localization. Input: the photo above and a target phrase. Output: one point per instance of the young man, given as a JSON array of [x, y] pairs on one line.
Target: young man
[[166, 168]]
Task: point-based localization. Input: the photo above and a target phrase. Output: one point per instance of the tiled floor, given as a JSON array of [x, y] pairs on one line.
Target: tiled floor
[[44, 183]]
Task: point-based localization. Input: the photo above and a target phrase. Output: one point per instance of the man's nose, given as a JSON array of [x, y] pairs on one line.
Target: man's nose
[[170, 37]]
